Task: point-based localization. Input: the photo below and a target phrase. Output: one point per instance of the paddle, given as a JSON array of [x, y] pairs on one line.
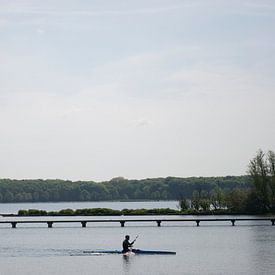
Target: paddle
[[131, 248], [135, 238]]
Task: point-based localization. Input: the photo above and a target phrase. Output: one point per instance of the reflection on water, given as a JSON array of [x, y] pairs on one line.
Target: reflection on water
[[126, 261]]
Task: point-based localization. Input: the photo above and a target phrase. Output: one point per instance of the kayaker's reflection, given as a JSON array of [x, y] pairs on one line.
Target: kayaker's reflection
[[126, 258], [127, 262]]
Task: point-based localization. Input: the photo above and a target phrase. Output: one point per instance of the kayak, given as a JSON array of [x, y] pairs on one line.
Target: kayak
[[133, 251]]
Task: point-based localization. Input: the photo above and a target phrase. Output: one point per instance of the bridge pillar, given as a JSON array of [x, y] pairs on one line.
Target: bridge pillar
[[233, 222], [158, 222], [13, 224], [84, 223], [122, 223], [50, 224], [198, 222]]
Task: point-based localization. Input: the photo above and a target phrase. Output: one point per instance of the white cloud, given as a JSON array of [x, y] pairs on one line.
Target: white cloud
[[40, 31], [94, 9], [142, 122], [152, 76], [217, 80]]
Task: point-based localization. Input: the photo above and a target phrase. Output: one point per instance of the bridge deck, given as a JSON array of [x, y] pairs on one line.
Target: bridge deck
[[123, 221]]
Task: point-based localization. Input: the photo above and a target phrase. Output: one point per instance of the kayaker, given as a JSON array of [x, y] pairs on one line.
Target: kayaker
[[126, 245]]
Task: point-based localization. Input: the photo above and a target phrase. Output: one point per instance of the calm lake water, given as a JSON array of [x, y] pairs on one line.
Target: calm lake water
[[12, 208], [247, 248]]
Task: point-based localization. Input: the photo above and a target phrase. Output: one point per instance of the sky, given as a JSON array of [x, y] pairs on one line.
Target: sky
[[92, 90]]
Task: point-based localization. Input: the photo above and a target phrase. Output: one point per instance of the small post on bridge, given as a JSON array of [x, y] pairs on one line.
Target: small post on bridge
[[83, 223], [122, 223], [233, 222], [158, 222], [50, 224], [13, 224], [273, 222], [198, 222]]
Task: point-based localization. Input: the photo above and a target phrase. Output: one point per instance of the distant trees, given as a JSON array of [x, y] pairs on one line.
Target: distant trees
[[254, 193], [170, 188]]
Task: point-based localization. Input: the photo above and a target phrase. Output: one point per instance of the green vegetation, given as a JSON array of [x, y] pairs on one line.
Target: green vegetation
[[254, 193], [170, 188], [236, 201], [209, 195], [262, 171], [259, 199], [99, 212]]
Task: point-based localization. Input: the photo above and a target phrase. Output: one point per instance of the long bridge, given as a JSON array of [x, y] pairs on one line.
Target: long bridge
[[122, 222]]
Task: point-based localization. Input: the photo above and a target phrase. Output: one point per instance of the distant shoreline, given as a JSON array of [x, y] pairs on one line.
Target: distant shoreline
[[125, 212], [117, 189]]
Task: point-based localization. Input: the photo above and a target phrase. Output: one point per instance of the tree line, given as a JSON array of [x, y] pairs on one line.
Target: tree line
[[258, 199], [253, 193], [170, 188]]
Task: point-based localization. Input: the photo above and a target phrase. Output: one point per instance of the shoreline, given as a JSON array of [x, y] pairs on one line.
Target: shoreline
[[101, 212]]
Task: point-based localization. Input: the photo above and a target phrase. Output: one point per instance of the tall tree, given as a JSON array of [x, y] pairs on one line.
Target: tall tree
[[261, 170], [271, 168]]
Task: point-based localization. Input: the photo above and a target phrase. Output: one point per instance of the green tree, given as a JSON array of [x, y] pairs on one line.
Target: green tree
[[200, 200], [85, 195], [253, 204], [262, 172], [35, 196], [19, 197], [217, 198], [205, 200], [195, 201], [236, 200], [44, 196], [8, 197], [183, 204], [271, 168]]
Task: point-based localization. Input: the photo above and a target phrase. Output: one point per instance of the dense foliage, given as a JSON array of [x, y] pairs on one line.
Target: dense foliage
[[235, 201], [262, 172], [99, 212], [170, 188], [260, 199]]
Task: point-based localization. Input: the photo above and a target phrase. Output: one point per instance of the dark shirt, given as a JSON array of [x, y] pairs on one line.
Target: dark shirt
[[125, 245]]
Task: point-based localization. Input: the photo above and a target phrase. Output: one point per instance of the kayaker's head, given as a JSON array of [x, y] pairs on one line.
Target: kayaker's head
[[127, 237]]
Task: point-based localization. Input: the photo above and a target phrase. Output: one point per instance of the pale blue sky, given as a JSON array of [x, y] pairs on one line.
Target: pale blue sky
[[91, 90]]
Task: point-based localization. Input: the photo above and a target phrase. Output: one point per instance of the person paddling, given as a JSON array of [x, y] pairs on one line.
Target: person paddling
[[126, 245]]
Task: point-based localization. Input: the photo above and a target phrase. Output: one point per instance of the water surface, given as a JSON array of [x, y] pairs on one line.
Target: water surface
[[247, 248], [12, 208]]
